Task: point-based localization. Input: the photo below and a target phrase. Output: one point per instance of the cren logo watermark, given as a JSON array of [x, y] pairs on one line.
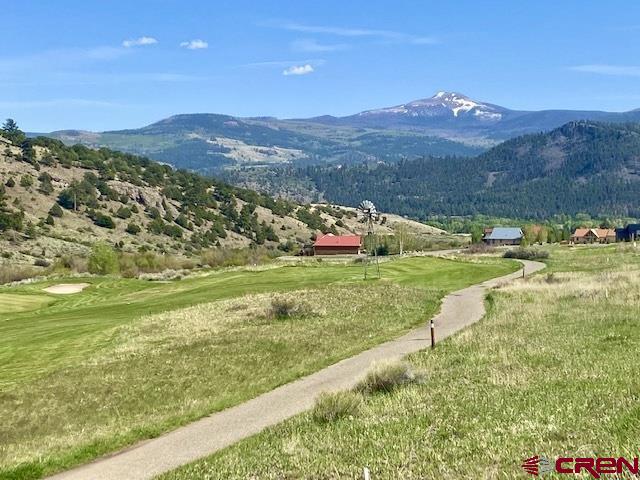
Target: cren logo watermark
[[596, 467], [537, 465]]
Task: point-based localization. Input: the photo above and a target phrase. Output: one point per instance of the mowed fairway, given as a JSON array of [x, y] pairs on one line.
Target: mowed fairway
[[124, 360], [14, 303], [552, 370]]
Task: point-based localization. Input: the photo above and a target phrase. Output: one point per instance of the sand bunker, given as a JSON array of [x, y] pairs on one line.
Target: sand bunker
[[66, 288]]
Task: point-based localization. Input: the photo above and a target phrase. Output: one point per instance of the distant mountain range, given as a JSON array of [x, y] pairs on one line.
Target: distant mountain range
[[449, 112], [447, 123], [581, 167]]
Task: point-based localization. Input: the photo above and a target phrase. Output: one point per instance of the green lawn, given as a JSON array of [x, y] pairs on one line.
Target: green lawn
[[11, 303], [88, 373], [552, 370]]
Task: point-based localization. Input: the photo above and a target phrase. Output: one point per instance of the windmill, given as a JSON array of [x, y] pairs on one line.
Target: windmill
[[370, 215]]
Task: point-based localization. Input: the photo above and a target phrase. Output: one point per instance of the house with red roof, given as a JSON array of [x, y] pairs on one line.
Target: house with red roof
[[330, 244]]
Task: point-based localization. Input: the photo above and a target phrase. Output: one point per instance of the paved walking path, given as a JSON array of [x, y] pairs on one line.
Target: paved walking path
[[209, 434]]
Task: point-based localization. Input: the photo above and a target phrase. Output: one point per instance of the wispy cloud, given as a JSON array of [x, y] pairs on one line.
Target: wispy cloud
[[58, 58], [139, 42], [389, 35], [314, 62], [612, 70], [298, 70], [196, 44], [311, 45]]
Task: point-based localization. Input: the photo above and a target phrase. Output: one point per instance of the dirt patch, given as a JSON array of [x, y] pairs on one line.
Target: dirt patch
[[66, 288]]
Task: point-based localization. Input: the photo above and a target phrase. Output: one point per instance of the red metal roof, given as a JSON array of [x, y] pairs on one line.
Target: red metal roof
[[330, 240]]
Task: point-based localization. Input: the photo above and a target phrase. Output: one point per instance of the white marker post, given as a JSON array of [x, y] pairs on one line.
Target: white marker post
[[365, 474], [433, 333]]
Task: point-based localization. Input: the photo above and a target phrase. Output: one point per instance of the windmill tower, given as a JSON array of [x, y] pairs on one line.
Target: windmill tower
[[370, 215]]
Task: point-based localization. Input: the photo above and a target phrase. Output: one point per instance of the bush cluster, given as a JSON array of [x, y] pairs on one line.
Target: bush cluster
[[524, 253], [14, 273], [330, 407], [387, 376], [282, 307]]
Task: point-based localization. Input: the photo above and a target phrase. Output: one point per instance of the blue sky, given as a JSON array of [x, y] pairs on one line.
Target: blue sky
[[122, 64]]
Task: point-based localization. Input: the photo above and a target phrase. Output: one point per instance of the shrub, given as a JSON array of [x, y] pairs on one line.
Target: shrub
[[123, 212], [127, 266], [104, 221], [133, 228], [56, 210], [164, 275], [134, 264], [156, 226], [41, 262], [330, 407], [172, 231], [45, 183], [14, 273], [182, 220], [103, 260], [26, 181], [282, 307], [386, 376], [73, 262], [480, 248], [78, 194], [524, 253], [30, 231], [10, 183]]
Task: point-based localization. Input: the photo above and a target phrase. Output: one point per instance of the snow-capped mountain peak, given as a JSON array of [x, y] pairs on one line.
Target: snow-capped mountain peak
[[443, 104]]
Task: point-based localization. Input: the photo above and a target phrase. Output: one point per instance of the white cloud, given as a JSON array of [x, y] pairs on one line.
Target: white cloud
[[315, 62], [311, 45], [195, 44], [388, 35], [298, 70], [139, 42], [604, 69]]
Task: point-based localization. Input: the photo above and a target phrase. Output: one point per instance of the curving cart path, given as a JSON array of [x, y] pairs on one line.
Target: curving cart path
[[210, 434]]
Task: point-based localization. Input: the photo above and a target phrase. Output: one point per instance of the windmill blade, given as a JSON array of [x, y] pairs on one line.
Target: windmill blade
[[368, 208]]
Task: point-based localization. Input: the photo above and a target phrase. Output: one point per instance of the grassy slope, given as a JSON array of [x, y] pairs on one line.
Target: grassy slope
[[86, 374], [552, 370]]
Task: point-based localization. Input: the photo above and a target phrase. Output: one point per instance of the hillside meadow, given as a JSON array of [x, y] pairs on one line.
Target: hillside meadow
[[127, 359], [551, 370]]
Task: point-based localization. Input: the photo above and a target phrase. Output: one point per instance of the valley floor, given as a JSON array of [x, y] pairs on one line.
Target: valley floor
[[551, 370], [123, 360]]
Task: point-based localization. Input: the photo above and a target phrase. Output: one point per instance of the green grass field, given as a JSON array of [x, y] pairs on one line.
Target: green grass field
[[551, 370], [124, 360]]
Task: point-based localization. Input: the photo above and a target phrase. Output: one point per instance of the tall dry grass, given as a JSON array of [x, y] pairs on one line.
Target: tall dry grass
[[16, 273]]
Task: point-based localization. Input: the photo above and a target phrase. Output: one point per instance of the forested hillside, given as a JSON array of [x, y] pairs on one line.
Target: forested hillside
[[58, 200], [581, 167]]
